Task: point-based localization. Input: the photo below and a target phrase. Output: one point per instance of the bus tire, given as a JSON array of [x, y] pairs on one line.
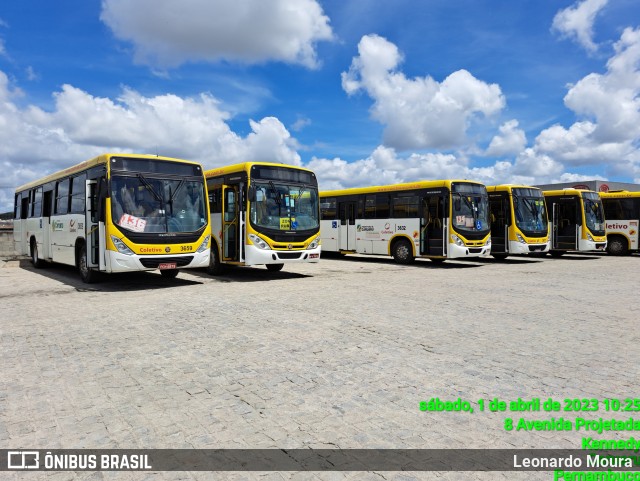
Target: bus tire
[[35, 257], [438, 260], [215, 266], [402, 252], [274, 267], [87, 275], [500, 257], [555, 253], [617, 246], [169, 273]]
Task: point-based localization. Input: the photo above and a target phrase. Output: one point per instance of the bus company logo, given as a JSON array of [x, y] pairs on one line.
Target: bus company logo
[[387, 226], [167, 249], [290, 246], [616, 226], [57, 225], [150, 250], [364, 228], [72, 225], [415, 234], [23, 459]]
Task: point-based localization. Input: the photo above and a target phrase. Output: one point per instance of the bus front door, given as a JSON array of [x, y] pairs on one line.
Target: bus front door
[[433, 228], [347, 228], [499, 204], [565, 227], [94, 230], [230, 224]]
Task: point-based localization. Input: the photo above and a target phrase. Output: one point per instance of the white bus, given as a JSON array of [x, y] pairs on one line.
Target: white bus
[[440, 219], [116, 213], [577, 221], [622, 214], [263, 214], [519, 222]]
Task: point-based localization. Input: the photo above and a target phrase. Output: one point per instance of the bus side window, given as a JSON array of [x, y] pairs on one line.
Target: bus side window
[[24, 208]]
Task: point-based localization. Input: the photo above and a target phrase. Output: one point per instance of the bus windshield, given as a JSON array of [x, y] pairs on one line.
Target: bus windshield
[[284, 206], [529, 210], [593, 212], [470, 207], [144, 203]]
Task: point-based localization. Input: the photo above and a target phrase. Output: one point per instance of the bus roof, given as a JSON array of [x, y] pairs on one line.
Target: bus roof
[[246, 167], [567, 191], [619, 194], [87, 164], [421, 184], [509, 187]]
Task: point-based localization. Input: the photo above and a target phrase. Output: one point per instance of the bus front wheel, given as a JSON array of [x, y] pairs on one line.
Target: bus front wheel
[[35, 257], [555, 253], [215, 266], [617, 246], [274, 267], [402, 252], [86, 273]]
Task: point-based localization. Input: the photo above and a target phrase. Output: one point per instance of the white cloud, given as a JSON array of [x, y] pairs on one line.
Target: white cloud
[[166, 33], [384, 166], [421, 112], [35, 142], [509, 141], [611, 104], [576, 22]]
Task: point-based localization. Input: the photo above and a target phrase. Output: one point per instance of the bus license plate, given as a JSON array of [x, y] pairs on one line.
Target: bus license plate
[[167, 265]]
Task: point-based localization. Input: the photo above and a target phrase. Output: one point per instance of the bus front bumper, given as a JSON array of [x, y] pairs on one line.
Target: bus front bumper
[[456, 251], [117, 262], [256, 256]]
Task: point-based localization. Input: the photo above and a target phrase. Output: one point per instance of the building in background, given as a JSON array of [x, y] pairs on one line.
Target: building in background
[[594, 185]]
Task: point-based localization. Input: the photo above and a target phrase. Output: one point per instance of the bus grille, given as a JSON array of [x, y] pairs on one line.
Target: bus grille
[[537, 248], [289, 255], [475, 250], [154, 262]]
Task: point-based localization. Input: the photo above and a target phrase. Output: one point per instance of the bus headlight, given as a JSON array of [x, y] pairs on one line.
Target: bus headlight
[[121, 246], [205, 245], [258, 242], [589, 237], [457, 240], [520, 239], [314, 243]]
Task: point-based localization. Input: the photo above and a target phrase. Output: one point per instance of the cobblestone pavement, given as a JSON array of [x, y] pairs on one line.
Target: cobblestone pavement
[[331, 355]]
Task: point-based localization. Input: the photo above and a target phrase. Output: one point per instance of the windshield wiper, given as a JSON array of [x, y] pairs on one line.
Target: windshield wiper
[[149, 187], [274, 191]]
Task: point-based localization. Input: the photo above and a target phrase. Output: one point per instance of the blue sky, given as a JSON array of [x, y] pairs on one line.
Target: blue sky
[[363, 93]]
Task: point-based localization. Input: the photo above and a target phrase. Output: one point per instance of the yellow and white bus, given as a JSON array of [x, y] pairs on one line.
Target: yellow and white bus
[[519, 222], [116, 213], [577, 221], [263, 214], [622, 214], [440, 219]]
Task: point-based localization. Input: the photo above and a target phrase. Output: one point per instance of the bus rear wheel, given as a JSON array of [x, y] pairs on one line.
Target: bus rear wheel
[[555, 253], [500, 257], [274, 267], [402, 252], [617, 246]]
